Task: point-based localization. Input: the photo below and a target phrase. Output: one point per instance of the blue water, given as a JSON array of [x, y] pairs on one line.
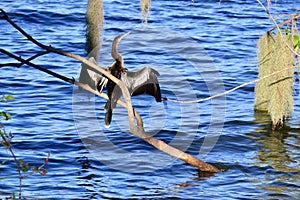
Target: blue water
[[199, 49]]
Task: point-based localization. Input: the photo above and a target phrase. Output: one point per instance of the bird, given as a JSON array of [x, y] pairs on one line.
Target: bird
[[143, 81]]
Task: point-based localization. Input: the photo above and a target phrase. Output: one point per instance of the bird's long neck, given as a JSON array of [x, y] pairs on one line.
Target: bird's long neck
[[117, 68], [114, 49]]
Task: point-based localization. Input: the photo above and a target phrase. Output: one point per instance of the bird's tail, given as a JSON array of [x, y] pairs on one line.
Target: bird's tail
[[108, 115]]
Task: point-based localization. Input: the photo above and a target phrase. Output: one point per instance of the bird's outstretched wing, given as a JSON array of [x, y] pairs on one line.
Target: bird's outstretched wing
[[143, 81], [91, 77]]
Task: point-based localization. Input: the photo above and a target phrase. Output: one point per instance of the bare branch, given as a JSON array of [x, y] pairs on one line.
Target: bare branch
[[137, 130], [20, 63], [23, 61], [277, 26], [293, 18], [10, 65], [233, 89], [8, 145], [29, 37]]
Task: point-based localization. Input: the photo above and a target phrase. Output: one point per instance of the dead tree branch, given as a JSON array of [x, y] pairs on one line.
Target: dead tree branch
[[277, 26], [19, 64], [233, 89], [138, 129]]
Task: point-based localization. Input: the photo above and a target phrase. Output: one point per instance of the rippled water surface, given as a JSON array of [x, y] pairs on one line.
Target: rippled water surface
[[199, 50]]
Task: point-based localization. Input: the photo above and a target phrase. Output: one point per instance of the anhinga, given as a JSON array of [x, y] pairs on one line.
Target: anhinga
[[143, 81]]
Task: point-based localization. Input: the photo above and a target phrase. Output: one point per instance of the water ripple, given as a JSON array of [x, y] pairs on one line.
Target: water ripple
[[257, 162]]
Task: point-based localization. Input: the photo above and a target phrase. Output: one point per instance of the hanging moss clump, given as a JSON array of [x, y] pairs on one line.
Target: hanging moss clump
[[265, 45], [145, 8], [281, 89], [94, 27], [275, 94]]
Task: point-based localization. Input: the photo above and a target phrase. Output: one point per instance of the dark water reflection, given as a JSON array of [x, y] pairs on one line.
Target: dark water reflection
[[258, 163], [278, 151]]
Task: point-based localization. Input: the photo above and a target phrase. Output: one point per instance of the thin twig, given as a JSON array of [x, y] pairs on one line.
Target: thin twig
[[277, 26], [20, 59], [9, 147], [20, 63], [233, 89], [29, 37], [256, 80], [293, 17]]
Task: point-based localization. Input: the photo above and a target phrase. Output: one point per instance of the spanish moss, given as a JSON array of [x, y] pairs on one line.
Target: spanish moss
[[145, 8], [94, 27]]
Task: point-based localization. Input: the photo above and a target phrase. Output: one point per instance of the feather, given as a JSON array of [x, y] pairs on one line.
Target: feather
[[143, 81], [91, 77]]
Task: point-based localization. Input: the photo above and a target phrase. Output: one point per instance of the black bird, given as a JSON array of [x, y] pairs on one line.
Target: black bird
[[144, 81]]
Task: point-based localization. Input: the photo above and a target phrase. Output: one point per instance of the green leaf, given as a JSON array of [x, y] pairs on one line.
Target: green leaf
[[2, 162], [296, 42], [24, 167], [6, 116], [7, 97], [21, 162], [34, 169]]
